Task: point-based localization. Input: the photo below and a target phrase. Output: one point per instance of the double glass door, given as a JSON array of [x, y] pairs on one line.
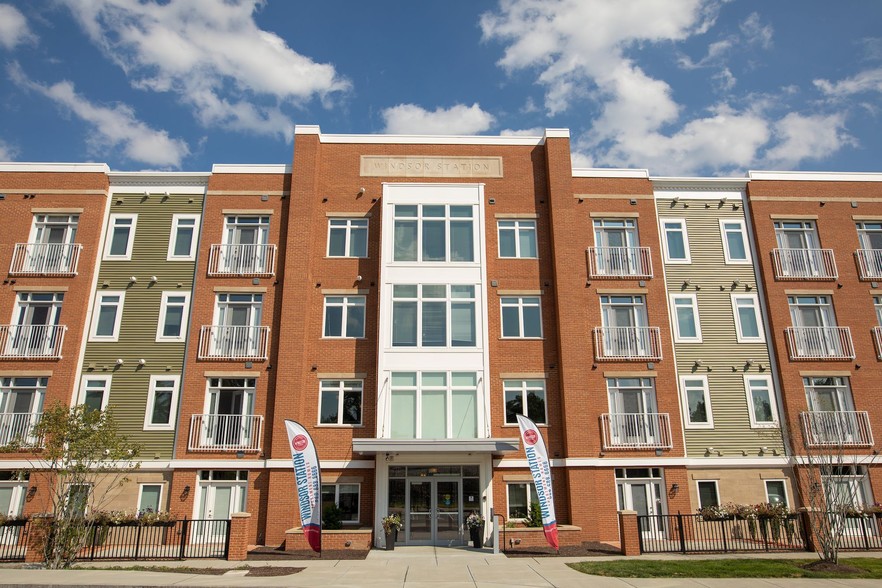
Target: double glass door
[[435, 512]]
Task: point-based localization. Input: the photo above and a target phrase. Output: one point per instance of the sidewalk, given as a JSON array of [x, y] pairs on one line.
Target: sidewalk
[[407, 567]]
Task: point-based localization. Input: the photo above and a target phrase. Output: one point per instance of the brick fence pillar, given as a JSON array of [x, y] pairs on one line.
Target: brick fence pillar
[[240, 531], [629, 534], [38, 528], [806, 516]]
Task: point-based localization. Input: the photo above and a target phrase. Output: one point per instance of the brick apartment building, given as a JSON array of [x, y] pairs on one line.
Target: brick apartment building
[[404, 297]]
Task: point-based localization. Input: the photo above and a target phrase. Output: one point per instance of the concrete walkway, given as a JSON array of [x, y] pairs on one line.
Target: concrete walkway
[[407, 567]]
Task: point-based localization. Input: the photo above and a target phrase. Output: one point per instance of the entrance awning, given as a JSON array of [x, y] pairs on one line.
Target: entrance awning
[[494, 446]]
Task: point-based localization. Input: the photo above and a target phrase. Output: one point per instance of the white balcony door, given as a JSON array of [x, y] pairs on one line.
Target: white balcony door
[[644, 497], [618, 240], [37, 315], [217, 501], [51, 234], [831, 395], [245, 237], [630, 403], [797, 237], [12, 499], [625, 317], [228, 409], [813, 318], [238, 316]]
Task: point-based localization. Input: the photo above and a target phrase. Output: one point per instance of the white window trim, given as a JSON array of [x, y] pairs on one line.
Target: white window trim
[[716, 484], [517, 231], [81, 397], [524, 391], [784, 482], [346, 305], [773, 401], [141, 493], [729, 260], [185, 317], [348, 228], [336, 486], [707, 402], [508, 485], [520, 306], [339, 390], [151, 397], [678, 338], [109, 237], [664, 236], [96, 312], [193, 240], [759, 320]]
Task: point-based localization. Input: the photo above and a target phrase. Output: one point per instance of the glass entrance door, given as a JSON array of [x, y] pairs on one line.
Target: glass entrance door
[[435, 512]]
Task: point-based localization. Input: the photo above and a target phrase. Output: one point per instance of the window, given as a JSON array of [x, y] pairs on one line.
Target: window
[[149, 497], [708, 493], [228, 422], [244, 249], [182, 242], [340, 402], [761, 401], [347, 237], [13, 492], [121, 236], [870, 235], [107, 315], [828, 394], [76, 500], [21, 404], [344, 316], [173, 315], [631, 395], [35, 331], [94, 391], [51, 248], [520, 497], [521, 317], [345, 496], [434, 405], [162, 399], [517, 238], [696, 397], [54, 228], [734, 237], [526, 397], [814, 332], [776, 492], [616, 249], [796, 234], [676, 241], [433, 233], [687, 328], [420, 315], [748, 325], [877, 306]]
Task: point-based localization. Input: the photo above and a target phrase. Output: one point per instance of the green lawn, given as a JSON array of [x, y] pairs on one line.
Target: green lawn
[[725, 568]]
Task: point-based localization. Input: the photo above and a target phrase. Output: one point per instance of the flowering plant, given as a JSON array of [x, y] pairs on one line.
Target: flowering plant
[[474, 521], [112, 517], [391, 523], [150, 517], [11, 518]]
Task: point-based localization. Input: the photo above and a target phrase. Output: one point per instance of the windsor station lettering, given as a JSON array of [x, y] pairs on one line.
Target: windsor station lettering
[[431, 167]]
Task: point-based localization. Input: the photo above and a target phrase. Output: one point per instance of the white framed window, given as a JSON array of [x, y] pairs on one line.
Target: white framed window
[[107, 315], [76, 500], [347, 497], [344, 317], [340, 402], [21, 404], [347, 237], [776, 492], [526, 397], [734, 235], [54, 228], [687, 326], [761, 401], [517, 238], [748, 321], [520, 496], [697, 413], [433, 315], [521, 317], [120, 237], [162, 398], [94, 392], [433, 233], [708, 493], [182, 241], [149, 498], [434, 405], [676, 240], [173, 314]]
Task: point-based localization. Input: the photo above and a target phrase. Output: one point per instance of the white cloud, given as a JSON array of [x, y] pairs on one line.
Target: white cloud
[[114, 127], [807, 137], [755, 32], [532, 132], [7, 151], [410, 119], [14, 28], [866, 81], [213, 56]]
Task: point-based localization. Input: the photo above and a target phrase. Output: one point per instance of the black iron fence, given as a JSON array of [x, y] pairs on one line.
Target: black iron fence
[[184, 539], [14, 540], [863, 533], [692, 533]]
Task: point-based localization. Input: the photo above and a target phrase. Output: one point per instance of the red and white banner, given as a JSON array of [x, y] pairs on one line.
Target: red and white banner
[[537, 459], [308, 477]]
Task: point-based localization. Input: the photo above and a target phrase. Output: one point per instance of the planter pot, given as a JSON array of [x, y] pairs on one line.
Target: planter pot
[[476, 534], [391, 536], [14, 524]]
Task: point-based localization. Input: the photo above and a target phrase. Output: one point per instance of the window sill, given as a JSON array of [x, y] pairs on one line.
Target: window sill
[[524, 258], [345, 257], [338, 426], [515, 425], [521, 339]]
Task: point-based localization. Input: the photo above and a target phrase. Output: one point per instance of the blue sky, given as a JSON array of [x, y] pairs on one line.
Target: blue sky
[[683, 87]]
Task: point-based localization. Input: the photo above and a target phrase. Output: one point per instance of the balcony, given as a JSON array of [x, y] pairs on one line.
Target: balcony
[[31, 341], [620, 262], [877, 337], [636, 431], [837, 429], [804, 264], [627, 344], [869, 262], [16, 427], [233, 343], [225, 432], [45, 259], [819, 342], [242, 260]]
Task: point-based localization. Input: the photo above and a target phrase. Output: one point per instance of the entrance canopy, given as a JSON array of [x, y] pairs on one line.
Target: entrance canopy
[[494, 446]]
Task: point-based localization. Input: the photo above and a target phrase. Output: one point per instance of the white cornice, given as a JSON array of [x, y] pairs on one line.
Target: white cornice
[[805, 176], [158, 182], [699, 184], [431, 139], [35, 167], [600, 172], [251, 168]]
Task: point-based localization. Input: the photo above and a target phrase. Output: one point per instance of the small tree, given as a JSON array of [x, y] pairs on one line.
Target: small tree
[[82, 456]]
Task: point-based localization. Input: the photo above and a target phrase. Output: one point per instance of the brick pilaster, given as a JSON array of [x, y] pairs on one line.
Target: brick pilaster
[[629, 534], [240, 531]]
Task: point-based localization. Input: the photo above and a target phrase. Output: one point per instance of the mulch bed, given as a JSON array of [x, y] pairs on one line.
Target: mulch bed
[[274, 554], [823, 566], [586, 549], [266, 571]]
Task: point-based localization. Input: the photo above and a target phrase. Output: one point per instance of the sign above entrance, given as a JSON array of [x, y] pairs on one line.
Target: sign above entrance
[[430, 166]]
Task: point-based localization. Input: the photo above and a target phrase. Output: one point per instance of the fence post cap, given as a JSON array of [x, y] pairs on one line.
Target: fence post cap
[[628, 512], [809, 509], [240, 515]]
